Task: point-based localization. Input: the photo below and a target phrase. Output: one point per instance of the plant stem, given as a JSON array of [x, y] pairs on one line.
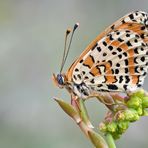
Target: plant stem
[[87, 127], [84, 113], [78, 112], [110, 141]]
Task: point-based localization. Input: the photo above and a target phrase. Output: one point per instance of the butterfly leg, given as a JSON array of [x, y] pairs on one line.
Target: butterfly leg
[[112, 100], [74, 101]]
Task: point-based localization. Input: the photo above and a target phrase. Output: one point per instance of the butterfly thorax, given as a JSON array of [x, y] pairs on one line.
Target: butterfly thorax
[[80, 90]]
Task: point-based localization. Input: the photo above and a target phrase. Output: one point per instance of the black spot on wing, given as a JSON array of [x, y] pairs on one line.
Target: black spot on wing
[[125, 54], [116, 71], [92, 74], [127, 79], [123, 21], [139, 85], [126, 62], [127, 35], [119, 49], [83, 72], [79, 76], [75, 77], [117, 32], [85, 93], [143, 59], [120, 56], [111, 37], [86, 65], [92, 58], [120, 79], [143, 44], [110, 62], [136, 50], [98, 67], [125, 87], [136, 69], [120, 40], [131, 16], [112, 87], [118, 65], [94, 46], [143, 28], [135, 40], [110, 48], [135, 60], [126, 70], [99, 85], [144, 74], [129, 43], [142, 35], [99, 49], [104, 54], [86, 77], [104, 43], [114, 53], [112, 27], [76, 70], [92, 81]]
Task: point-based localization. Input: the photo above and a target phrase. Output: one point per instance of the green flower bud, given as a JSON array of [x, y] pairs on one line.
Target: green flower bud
[[145, 102], [131, 115], [112, 127], [139, 93], [103, 127], [120, 116], [116, 136], [140, 110], [145, 112], [134, 102], [122, 126]]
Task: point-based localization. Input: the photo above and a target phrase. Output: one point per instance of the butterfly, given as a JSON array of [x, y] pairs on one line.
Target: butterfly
[[115, 61]]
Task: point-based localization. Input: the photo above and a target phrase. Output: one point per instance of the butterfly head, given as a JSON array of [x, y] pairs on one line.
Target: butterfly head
[[59, 80]]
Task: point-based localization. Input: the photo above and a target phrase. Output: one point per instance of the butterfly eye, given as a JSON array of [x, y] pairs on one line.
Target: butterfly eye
[[60, 79]]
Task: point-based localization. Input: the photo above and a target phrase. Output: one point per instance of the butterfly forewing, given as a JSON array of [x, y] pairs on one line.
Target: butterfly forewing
[[117, 59]]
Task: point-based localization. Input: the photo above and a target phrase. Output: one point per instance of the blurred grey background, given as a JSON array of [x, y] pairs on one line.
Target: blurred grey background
[[31, 47]]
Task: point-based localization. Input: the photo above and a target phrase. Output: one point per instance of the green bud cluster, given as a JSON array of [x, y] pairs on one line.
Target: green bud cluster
[[119, 121], [138, 101], [115, 128]]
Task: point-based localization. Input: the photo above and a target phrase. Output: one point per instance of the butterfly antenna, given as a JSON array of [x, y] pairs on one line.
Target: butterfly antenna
[[65, 45], [66, 54]]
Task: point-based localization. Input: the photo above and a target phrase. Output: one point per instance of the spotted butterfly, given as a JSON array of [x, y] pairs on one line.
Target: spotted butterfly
[[115, 61]]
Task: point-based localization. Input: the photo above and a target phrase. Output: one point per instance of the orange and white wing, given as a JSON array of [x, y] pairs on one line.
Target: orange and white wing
[[117, 60]]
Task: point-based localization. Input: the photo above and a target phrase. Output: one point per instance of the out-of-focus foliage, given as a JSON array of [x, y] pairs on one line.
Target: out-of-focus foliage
[[31, 47]]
